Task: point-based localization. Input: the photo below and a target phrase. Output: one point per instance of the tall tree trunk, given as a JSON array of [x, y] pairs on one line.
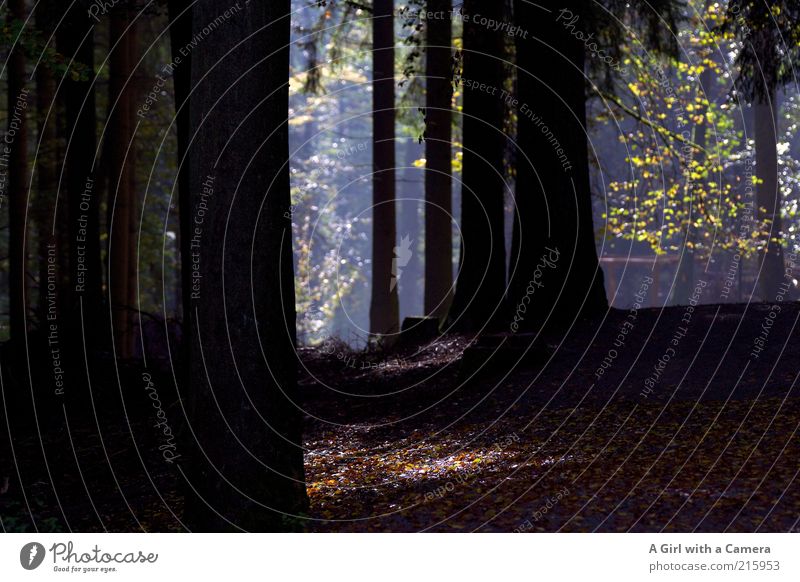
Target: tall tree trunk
[[480, 287], [384, 311], [134, 317], [767, 192], [554, 270], [119, 132], [246, 465], [438, 168], [76, 42], [46, 162], [409, 229], [180, 17], [16, 158]]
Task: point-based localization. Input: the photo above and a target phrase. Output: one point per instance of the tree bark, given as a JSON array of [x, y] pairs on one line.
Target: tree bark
[[119, 132], [384, 311], [76, 42], [479, 301], [180, 17], [438, 166], [245, 467], [555, 274], [46, 162], [134, 218], [409, 227], [768, 194]]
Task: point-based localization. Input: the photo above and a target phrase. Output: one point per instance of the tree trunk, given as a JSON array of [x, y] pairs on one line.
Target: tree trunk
[[409, 229], [14, 156], [134, 316], [246, 465], [76, 42], [554, 271], [46, 162], [180, 17], [765, 112], [120, 133], [384, 313], [480, 288], [438, 168]]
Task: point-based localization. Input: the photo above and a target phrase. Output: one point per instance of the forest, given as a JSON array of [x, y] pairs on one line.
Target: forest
[[399, 266]]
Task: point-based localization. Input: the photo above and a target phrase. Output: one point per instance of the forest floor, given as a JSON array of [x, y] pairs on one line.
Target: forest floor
[[426, 441], [448, 437]]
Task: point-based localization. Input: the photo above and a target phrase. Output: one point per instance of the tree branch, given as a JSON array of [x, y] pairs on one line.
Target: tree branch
[[659, 128]]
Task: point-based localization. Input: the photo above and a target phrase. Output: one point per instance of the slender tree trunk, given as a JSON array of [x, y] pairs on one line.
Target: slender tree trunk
[[384, 311], [134, 267], [180, 16], [767, 193], [479, 296], [409, 229], [46, 163], [246, 464], [554, 271], [76, 42], [119, 134], [438, 169], [15, 157]]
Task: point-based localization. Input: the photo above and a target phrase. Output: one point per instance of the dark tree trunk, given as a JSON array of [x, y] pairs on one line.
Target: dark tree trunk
[[438, 179], [768, 194], [180, 17], [409, 229], [384, 311], [46, 162], [554, 271], [15, 157], [76, 41], [245, 464], [132, 89], [121, 156], [480, 287]]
